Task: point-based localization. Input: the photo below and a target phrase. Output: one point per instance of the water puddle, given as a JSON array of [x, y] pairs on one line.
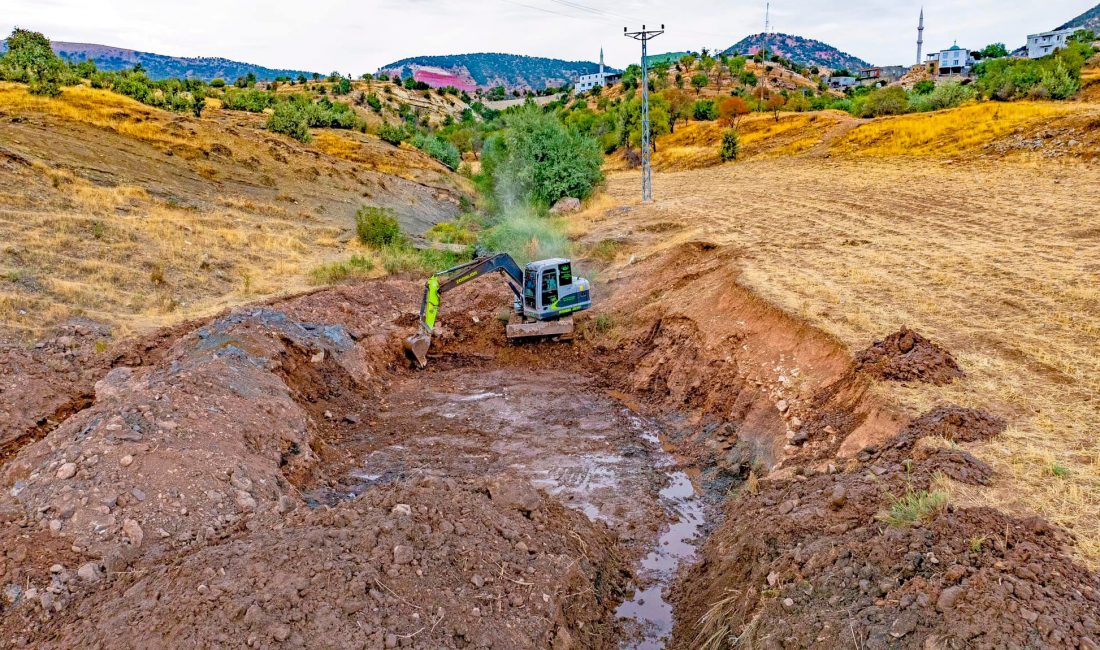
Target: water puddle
[[648, 612]]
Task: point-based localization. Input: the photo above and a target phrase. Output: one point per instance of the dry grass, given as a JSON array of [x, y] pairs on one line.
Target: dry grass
[[122, 257], [947, 133], [997, 260]]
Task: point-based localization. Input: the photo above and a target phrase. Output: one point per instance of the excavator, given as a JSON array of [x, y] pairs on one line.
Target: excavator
[[546, 296]]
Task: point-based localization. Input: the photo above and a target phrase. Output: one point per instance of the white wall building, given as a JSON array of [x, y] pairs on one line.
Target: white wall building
[[587, 82], [1046, 43], [954, 60]]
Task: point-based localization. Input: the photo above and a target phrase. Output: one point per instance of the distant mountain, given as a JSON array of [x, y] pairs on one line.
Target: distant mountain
[[1088, 20], [805, 51], [486, 70], [160, 66]]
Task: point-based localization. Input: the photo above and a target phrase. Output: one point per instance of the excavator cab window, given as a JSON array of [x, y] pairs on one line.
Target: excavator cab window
[[530, 287], [549, 287]]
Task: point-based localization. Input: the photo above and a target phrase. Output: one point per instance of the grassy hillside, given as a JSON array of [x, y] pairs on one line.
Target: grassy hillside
[[513, 71], [1088, 20], [136, 217], [160, 66], [804, 51]]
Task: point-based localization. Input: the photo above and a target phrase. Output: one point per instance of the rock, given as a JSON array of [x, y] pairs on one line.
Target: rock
[[402, 510], [126, 460], [138, 494], [12, 593], [948, 598], [566, 205], [245, 500], [55, 525], [788, 603], [66, 471], [799, 438], [402, 554], [280, 632], [782, 406], [89, 572], [954, 573], [132, 530], [56, 568], [111, 386], [391, 640], [838, 497], [1028, 615], [787, 506], [519, 495], [478, 581], [773, 579], [796, 424], [286, 504]]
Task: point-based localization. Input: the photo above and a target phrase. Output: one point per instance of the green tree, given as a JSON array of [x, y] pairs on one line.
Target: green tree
[[630, 121], [31, 60], [730, 147], [994, 51], [704, 110], [700, 81], [885, 101], [924, 87], [537, 160], [1059, 83]]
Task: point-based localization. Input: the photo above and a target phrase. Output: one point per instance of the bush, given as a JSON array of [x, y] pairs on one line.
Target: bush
[[536, 159], [335, 272], [394, 135], [438, 148], [374, 102], [253, 101], [451, 233], [290, 120], [730, 147], [377, 227], [704, 110], [948, 95], [700, 81], [885, 101], [924, 87], [217, 83]]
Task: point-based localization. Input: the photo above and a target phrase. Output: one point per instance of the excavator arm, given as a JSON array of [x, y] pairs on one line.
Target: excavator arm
[[417, 345]]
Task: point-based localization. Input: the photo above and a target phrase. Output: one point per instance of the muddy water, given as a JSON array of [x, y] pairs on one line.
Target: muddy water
[[565, 435]]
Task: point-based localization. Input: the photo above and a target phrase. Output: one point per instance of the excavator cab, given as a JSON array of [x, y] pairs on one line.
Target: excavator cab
[[546, 296]]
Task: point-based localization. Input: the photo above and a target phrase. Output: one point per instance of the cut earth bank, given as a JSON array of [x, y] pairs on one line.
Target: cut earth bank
[[280, 476]]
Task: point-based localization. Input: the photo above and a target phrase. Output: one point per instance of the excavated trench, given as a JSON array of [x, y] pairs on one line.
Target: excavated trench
[[710, 473], [566, 434]]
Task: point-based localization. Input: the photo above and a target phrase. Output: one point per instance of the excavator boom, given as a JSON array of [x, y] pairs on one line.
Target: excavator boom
[[417, 345]]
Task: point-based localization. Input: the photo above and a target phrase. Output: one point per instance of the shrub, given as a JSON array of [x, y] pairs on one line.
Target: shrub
[[700, 81], [704, 109], [374, 102], [339, 271], [730, 147], [253, 101], [451, 233], [394, 135], [377, 227], [438, 148], [289, 119], [948, 95], [1058, 83], [924, 87], [885, 101], [217, 83], [526, 237]]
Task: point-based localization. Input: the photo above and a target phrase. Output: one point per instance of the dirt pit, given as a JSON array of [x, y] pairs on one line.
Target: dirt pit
[[561, 432]]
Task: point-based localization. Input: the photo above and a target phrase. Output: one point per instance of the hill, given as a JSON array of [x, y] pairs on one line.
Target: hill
[[805, 51], [161, 66], [134, 216], [1088, 20], [487, 70]]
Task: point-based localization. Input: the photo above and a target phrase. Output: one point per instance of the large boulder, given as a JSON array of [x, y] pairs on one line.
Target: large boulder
[[567, 205]]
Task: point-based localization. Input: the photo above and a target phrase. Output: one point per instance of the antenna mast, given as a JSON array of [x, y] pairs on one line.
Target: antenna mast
[[647, 172]]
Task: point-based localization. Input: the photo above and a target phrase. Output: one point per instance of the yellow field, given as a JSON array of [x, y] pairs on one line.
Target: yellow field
[[997, 260]]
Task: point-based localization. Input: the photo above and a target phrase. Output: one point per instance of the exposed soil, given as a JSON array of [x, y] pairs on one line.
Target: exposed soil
[[709, 472], [908, 356]]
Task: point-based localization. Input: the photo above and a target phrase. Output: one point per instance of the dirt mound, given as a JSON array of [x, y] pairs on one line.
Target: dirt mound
[[953, 423], [430, 564], [818, 567], [907, 356]]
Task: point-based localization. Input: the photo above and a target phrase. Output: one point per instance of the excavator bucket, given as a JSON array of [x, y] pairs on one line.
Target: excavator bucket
[[416, 347]]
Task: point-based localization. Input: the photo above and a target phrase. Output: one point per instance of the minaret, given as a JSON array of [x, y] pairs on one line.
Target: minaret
[[601, 63], [920, 37]]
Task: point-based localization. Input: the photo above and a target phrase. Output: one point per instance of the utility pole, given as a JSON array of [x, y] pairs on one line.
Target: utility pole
[[647, 172]]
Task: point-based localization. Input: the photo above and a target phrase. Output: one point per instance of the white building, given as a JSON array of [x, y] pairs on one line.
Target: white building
[[587, 82], [954, 60], [1040, 45]]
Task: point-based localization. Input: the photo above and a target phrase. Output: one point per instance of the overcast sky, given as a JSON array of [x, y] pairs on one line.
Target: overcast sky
[[359, 36]]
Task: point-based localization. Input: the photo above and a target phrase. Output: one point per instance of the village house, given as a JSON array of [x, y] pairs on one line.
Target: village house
[[1047, 43], [881, 76], [953, 61]]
